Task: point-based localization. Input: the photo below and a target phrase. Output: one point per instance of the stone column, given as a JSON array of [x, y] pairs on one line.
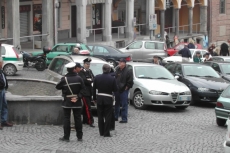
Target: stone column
[[150, 9], [47, 23], [177, 21], [190, 21], [203, 19], [162, 24], [107, 34], [129, 20], [81, 20], [13, 22]]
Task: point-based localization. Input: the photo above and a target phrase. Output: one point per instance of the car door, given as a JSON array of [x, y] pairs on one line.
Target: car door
[[58, 50], [149, 51], [136, 50]]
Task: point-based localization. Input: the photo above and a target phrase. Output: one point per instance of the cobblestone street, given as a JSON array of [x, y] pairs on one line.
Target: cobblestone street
[[155, 130]]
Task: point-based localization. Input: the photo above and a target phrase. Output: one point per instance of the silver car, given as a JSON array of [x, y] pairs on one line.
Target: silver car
[[143, 51], [155, 85]]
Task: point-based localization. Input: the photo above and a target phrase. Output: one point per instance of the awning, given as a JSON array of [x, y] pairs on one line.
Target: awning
[[95, 1]]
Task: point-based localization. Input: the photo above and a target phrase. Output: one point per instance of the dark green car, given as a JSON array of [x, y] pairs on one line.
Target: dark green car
[[62, 49]]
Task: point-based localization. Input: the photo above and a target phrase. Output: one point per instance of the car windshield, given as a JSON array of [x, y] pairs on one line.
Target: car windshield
[[152, 72], [226, 93], [200, 71], [226, 68], [95, 67], [177, 53]]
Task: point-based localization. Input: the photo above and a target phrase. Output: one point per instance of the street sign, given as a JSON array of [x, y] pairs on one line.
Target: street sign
[[152, 22], [87, 33]]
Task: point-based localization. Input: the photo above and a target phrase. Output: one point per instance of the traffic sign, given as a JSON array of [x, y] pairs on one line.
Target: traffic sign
[[152, 22]]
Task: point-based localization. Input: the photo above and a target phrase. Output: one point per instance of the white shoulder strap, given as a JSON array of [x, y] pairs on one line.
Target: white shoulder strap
[[68, 86]]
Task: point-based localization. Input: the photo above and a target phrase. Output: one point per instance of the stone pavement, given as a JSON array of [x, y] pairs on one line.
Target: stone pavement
[[155, 130]]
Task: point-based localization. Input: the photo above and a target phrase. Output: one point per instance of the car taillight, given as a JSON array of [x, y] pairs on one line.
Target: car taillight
[[219, 105], [16, 54], [128, 59]]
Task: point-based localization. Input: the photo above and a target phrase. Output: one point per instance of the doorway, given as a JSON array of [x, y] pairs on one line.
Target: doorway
[[97, 17], [74, 21]]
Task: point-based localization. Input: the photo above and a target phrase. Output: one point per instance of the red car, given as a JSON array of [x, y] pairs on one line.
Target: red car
[[172, 51]]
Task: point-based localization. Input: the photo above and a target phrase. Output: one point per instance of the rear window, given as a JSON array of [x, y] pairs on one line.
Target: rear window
[[3, 50], [160, 46]]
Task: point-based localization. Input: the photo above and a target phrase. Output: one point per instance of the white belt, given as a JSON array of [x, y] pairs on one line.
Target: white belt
[[103, 94]]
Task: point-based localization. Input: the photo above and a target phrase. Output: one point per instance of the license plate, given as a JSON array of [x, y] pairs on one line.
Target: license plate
[[182, 98]]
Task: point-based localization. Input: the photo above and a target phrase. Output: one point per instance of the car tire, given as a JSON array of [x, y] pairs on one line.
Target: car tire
[[181, 107], [112, 62], [138, 100], [220, 122], [9, 69]]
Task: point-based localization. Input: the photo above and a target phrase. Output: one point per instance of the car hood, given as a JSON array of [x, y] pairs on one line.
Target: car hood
[[160, 85], [210, 83]]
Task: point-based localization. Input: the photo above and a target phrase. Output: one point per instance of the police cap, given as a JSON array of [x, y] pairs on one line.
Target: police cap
[[70, 65], [87, 60]]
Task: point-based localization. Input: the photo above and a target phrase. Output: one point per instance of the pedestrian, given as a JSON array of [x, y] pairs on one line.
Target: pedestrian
[[106, 85], [156, 60], [3, 102], [87, 75], [72, 87], [185, 53], [76, 49], [191, 44], [197, 57], [167, 41], [124, 79], [211, 49], [207, 57], [224, 50]]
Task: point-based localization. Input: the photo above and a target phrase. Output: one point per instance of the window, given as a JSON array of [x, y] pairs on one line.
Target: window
[[100, 50], [222, 6], [170, 67], [91, 47], [226, 93], [217, 59], [216, 67], [178, 69], [136, 45], [3, 50], [150, 45], [59, 15], [57, 65], [160, 46], [61, 48]]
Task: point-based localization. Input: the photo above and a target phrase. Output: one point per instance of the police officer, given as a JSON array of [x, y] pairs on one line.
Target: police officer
[[106, 85], [72, 87], [87, 75]]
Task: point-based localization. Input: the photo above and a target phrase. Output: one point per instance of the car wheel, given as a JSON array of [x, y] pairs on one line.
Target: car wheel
[[112, 62], [9, 69], [220, 122], [181, 107], [138, 100]]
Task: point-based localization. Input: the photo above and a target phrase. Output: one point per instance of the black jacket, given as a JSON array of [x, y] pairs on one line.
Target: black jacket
[[87, 77], [3, 84], [191, 46], [77, 86], [104, 83], [124, 78], [185, 52]]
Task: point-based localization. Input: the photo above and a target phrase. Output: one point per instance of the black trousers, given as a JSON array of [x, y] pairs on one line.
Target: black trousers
[[77, 120], [87, 112], [105, 113]]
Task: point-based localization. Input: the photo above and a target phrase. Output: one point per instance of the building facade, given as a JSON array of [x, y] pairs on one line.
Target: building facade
[[83, 19]]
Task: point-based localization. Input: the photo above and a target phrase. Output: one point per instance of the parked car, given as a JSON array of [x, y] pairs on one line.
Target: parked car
[[110, 54], [143, 51], [173, 50], [57, 70], [221, 58], [61, 49], [155, 85], [223, 68], [205, 83], [177, 57], [12, 59], [227, 141], [222, 108]]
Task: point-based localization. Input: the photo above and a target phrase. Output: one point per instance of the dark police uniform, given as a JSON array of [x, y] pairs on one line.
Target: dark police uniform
[[87, 76], [77, 86], [106, 85]]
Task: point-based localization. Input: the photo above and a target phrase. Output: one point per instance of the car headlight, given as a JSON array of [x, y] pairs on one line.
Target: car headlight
[[203, 89], [187, 93], [153, 92]]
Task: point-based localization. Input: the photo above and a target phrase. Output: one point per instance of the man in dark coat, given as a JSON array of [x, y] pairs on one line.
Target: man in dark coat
[[185, 53], [224, 50], [72, 87], [3, 102], [124, 79], [87, 75], [106, 85]]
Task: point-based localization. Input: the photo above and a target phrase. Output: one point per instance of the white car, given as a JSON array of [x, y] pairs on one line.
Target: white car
[[177, 57], [227, 141], [12, 60]]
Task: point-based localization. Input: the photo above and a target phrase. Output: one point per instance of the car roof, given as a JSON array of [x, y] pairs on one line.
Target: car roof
[[141, 64], [79, 58], [69, 43]]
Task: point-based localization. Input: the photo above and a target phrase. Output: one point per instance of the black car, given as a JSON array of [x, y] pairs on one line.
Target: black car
[[110, 54], [221, 58], [223, 68], [203, 81]]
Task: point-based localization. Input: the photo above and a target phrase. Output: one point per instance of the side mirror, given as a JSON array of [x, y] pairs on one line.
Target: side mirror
[[178, 75], [127, 48]]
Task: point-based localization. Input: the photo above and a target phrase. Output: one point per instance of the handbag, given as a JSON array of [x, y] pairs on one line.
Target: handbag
[[71, 98]]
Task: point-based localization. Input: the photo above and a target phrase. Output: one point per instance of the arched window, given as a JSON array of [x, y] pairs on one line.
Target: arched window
[[222, 6]]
